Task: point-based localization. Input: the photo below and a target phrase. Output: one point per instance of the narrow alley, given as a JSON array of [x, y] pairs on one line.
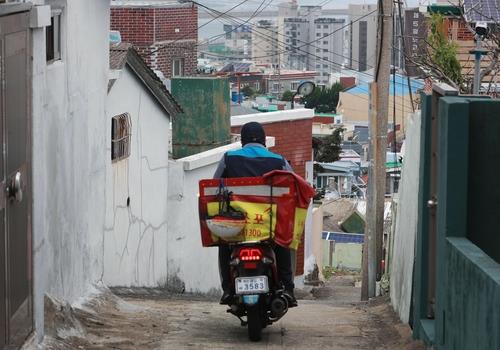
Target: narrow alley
[[329, 317]]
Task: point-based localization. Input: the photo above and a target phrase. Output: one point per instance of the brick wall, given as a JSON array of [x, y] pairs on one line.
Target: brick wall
[[160, 35], [294, 142]]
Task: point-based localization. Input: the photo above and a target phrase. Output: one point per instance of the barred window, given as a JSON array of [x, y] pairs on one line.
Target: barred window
[[121, 126]]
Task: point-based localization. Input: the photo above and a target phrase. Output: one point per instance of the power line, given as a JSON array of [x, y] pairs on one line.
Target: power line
[[254, 14], [308, 43], [306, 52], [199, 27]]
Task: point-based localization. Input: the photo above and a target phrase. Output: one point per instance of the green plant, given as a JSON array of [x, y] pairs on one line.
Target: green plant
[[441, 58], [324, 100], [287, 96], [328, 148], [328, 272], [248, 91]]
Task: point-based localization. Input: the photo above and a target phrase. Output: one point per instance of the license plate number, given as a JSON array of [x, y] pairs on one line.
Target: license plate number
[[251, 285]]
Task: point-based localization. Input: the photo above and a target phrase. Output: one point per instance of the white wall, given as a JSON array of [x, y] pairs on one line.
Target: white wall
[[403, 250], [135, 238], [69, 134]]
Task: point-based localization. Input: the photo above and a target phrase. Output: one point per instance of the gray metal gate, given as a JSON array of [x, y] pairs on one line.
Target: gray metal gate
[[15, 182]]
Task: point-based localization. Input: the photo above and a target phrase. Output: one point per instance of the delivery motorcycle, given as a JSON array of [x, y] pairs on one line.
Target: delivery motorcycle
[[251, 216], [259, 298]]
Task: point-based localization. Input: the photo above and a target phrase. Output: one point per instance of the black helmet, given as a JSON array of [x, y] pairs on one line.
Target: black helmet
[[253, 132]]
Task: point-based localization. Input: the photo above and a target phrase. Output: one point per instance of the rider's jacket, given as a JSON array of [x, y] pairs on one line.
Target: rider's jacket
[[253, 159]]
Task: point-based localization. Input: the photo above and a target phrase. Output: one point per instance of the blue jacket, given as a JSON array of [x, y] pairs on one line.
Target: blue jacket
[[253, 159]]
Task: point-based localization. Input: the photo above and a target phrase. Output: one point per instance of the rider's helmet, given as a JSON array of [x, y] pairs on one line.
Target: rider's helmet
[[253, 132]]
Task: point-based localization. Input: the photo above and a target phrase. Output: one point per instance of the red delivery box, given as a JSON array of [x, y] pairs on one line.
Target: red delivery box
[[273, 206]]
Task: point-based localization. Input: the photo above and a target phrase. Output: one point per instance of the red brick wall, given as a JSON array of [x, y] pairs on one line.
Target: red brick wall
[[136, 25], [160, 35], [294, 142], [167, 20]]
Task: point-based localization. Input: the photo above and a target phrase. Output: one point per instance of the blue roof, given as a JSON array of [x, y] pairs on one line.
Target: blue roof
[[401, 86]]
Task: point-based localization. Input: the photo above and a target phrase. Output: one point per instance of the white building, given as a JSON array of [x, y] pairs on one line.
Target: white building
[[265, 49], [311, 41], [139, 111], [55, 76], [362, 36]]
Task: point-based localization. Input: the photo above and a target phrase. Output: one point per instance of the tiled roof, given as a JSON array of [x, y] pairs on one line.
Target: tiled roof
[[118, 55], [124, 53]]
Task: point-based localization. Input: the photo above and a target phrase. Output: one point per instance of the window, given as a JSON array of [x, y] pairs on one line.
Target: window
[[318, 26], [415, 31], [121, 126], [415, 15], [318, 34], [415, 24], [177, 67], [325, 42], [53, 38], [325, 50], [325, 66], [325, 26], [318, 50], [294, 86], [276, 86]]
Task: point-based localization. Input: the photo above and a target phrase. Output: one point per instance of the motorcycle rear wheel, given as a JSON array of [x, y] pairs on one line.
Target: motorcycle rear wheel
[[254, 323]]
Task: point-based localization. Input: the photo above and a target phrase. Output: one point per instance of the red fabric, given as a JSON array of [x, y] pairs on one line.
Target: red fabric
[[305, 192], [300, 194]]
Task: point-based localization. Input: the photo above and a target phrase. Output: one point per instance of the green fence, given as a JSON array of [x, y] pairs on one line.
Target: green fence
[[465, 313]]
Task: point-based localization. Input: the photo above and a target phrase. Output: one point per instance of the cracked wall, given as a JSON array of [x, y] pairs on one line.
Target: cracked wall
[[68, 108], [135, 237]]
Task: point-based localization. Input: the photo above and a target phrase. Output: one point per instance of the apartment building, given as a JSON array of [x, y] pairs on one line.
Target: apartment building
[[265, 48], [362, 36]]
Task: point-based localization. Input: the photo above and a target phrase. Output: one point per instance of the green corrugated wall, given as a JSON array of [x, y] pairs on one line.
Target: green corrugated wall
[[205, 122]]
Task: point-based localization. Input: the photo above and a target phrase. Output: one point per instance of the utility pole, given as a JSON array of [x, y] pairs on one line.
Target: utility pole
[[378, 115]]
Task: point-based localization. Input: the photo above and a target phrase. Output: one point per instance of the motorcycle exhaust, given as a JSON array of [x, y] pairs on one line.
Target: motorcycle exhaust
[[279, 306]]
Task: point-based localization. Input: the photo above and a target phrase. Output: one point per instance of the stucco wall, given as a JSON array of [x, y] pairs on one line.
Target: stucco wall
[[316, 243], [69, 143], [401, 264], [135, 238]]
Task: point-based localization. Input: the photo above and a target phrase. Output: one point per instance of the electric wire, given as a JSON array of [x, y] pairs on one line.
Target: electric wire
[[297, 48], [306, 52], [198, 28]]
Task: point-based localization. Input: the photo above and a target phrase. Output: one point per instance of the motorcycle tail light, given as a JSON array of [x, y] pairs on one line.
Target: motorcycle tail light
[[250, 254]]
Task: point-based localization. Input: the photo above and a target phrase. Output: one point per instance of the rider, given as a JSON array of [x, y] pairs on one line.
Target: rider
[[253, 159]]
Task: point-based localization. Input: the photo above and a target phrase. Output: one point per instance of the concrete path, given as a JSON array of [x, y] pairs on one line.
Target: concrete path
[[328, 318]]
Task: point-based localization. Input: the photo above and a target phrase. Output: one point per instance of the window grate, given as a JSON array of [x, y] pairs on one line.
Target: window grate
[[121, 126]]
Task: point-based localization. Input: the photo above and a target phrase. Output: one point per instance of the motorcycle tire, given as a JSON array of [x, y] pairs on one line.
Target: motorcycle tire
[[254, 323]]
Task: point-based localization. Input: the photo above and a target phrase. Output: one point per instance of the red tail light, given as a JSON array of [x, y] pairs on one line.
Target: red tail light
[[250, 254]]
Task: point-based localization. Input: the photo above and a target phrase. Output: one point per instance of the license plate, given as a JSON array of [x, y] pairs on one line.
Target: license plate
[[251, 285]]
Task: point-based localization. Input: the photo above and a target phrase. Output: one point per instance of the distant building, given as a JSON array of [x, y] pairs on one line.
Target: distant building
[[287, 80], [164, 32], [265, 44], [238, 40], [326, 53], [362, 36], [308, 41]]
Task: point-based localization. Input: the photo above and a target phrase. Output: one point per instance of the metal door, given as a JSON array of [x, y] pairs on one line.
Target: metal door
[[15, 185], [438, 91]]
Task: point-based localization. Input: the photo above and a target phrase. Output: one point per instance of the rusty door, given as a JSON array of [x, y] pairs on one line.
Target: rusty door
[[15, 186]]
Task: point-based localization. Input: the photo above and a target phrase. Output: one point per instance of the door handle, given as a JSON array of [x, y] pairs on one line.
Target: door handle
[[15, 190]]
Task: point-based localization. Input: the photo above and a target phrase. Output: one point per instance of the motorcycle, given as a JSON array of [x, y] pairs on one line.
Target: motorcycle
[[259, 298]]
